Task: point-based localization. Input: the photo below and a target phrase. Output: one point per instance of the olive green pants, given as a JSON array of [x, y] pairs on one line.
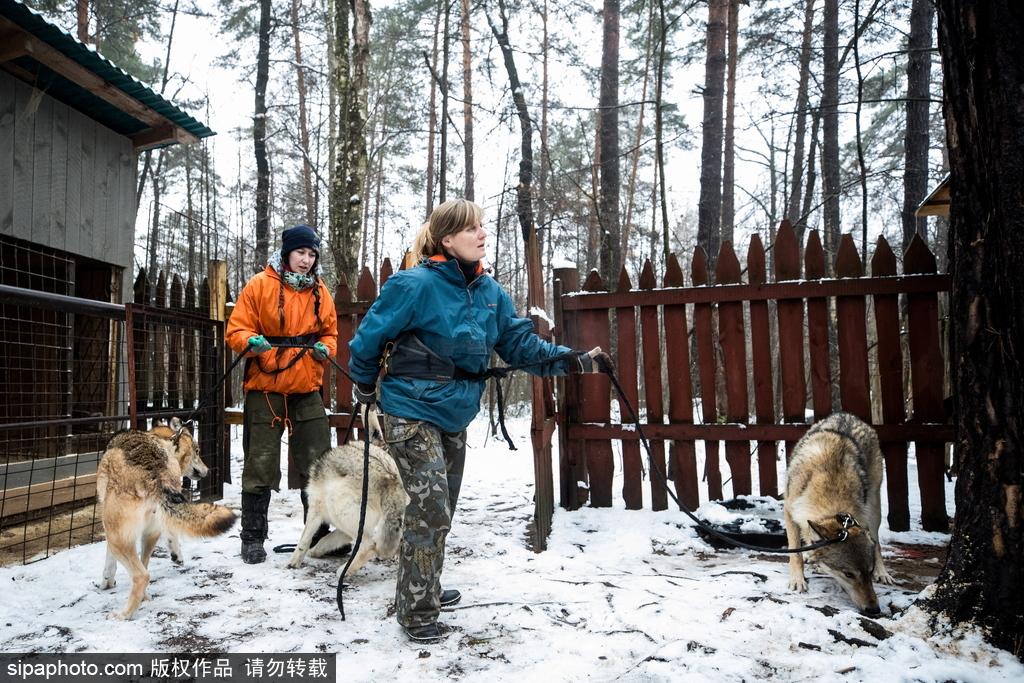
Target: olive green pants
[[266, 418]]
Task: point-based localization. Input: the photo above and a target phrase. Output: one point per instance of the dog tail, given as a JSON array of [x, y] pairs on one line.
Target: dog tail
[[196, 519]]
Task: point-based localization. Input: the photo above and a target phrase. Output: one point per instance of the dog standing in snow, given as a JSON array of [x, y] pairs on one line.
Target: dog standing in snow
[[833, 483], [138, 482]]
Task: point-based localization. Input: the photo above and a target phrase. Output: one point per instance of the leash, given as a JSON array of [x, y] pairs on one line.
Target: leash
[[213, 389], [846, 520], [362, 510]]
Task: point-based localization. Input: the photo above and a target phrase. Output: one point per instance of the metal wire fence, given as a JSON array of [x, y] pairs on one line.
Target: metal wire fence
[[67, 385]]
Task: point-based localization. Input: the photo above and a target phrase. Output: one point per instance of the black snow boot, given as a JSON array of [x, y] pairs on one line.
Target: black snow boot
[[322, 531], [254, 526]]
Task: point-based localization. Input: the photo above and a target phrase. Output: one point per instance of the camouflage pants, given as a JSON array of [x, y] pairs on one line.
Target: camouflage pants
[[261, 436], [431, 463]]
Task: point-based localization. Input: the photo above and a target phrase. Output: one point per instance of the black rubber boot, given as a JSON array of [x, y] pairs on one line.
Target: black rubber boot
[[254, 526], [320, 532], [450, 597]]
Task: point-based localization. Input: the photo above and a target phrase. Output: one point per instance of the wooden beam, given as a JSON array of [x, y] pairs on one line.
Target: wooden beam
[[81, 76], [23, 499], [14, 45], [154, 137], [18, 72]]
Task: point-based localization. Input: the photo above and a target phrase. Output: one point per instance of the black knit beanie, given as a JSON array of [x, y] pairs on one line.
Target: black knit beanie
[[298, 237]]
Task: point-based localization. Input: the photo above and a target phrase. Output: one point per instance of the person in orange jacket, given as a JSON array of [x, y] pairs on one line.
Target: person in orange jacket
[[286, 304]]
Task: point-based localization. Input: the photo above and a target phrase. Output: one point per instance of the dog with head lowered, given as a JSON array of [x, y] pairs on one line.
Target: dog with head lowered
[[138, 483], [833, 484], [335, 491]]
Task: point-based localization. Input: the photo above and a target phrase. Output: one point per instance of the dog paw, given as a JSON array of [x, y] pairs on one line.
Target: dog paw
[[883, 576], [118, 616], [107, 584], [798, 584], [177, 559], [294, 564]]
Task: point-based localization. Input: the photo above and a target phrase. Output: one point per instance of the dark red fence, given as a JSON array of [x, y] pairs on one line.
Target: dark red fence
[[749, 347]]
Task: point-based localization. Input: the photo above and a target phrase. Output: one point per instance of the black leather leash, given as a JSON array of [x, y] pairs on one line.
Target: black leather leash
[[846, 520]]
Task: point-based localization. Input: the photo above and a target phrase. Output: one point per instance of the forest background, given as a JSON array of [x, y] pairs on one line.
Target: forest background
[[620, 130]]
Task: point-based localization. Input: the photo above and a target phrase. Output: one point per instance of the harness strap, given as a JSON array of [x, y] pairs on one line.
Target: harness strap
[[303, 342]]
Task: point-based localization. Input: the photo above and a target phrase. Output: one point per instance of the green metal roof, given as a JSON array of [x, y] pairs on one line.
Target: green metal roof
[[78, 97]]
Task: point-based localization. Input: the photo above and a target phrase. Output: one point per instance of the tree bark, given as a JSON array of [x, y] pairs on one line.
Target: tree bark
[[611, 255], [982, 47], [432, 117], [915, 145], [861, 161], [259, 136], [659, 145], [82, 11], [709, 207], [347, 248], [524, 201], [442, 176], [300, 81], [830, 131], [634, 163], [802, 99], [467, 102], [812, 178], [729, 162]]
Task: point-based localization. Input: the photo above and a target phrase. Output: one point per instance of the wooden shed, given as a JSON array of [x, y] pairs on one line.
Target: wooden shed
[[71, 127]]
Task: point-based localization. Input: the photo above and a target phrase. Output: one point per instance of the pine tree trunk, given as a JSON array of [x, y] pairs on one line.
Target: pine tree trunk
[[259, 136], [341, 239], [467, 102], [659, 146], [812, 178], [983, 65], [709, 207], [830, 131], [634, 163], [442, 173], [347, 252], [82, 11], [861, 161], [300, 82], [729, 162], [432, 125], [611, 255], [915, 145], [793, 212]]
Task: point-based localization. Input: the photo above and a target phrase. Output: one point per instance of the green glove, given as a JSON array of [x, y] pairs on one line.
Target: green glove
[[320, 351], [259, 344]]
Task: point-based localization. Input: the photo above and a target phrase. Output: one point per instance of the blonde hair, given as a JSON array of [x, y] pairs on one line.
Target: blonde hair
[[446, 219]]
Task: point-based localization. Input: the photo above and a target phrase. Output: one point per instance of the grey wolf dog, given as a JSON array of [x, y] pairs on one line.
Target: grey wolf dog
[[833, 482], [335, 491], [138, 482]]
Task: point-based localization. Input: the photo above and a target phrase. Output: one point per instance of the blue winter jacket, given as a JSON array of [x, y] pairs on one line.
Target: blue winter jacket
[[461, 322]]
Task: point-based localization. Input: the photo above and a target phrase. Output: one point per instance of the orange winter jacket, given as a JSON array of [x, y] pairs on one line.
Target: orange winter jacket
[[258, 311]]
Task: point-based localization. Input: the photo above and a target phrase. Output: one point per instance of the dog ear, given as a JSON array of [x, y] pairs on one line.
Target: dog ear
[[175, 424], [823, 530]]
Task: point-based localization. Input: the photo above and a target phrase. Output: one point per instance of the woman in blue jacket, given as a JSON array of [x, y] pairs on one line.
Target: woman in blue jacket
[[433, 328]]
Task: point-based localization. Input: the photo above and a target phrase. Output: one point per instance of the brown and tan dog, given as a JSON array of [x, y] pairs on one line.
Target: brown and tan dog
[[138, 482]]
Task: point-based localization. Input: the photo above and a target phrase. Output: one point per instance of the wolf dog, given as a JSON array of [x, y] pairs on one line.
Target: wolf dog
[[832, 486], [335, 491], [138, 483]]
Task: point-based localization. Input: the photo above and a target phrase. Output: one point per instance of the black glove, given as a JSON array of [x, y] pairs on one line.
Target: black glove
[[594, 360], [365, 394]]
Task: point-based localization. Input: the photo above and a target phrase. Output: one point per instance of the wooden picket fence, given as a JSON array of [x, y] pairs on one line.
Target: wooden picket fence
[[653, 329]]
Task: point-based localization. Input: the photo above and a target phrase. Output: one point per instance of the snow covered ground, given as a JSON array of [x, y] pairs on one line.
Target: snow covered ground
[[630, 596]]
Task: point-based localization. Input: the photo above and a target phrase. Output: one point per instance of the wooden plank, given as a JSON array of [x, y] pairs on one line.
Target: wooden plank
[[42, 171], [706, 371], [572, 468], [626, 368], [386, 271], [8, 86], [732, 338], [126, 205], [22, 499], [745, 432], [82, 76], [761, 362], [819, 287], [87, 233], [59, 177], [346, 331], [651, 344], [890, 376], [683, 455], [73, 199], [852, 333], [594, 403], [791, 332], [817, 332], [926, 372], [109, 229], [24, 132]]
